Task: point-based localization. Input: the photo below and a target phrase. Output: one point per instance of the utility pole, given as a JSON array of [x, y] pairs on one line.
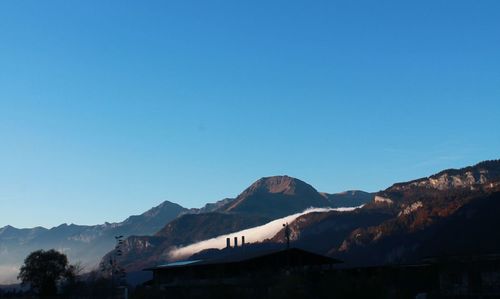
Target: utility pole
[[288, 232], [119, 271], [116, 273]]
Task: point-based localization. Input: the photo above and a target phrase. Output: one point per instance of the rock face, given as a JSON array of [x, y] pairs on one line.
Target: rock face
[[83, 243], [451, 212], [467, 177]]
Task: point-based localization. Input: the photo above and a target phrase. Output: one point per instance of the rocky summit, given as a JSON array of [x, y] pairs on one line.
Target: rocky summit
[[275, 197]]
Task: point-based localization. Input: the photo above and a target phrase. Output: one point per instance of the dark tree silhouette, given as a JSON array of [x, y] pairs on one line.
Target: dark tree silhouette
[[43, 270]]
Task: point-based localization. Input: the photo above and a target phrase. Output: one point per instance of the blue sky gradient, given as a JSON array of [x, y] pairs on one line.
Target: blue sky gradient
[[110, 107]]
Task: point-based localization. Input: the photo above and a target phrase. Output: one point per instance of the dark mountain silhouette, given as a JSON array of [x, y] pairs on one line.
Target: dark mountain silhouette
[[190, 227], [410, 238], [83, 243], [319, 232], [471, 230]]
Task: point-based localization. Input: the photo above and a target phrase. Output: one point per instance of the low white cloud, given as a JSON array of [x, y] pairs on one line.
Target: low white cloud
[[252, 235]]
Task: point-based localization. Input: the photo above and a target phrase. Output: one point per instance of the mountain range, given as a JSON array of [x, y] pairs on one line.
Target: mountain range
[[266, 199], [448, 213], [81, 243], [168, 224]]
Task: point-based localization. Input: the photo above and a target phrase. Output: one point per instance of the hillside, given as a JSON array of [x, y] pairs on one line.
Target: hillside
[[410, 220], [266, 199]]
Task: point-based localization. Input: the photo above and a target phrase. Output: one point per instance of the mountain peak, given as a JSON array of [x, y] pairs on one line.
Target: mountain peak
[[164, 206], [276, 196], [279, 184], [6, 228], [154, 218]]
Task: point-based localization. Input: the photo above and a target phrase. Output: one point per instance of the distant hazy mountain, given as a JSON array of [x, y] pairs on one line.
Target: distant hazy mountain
[[152, 220], [83, 243], [210, 207], [266, 199]]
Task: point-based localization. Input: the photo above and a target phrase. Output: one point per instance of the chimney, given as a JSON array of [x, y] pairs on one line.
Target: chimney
[[242, 240], [235, 242], [228, 242]]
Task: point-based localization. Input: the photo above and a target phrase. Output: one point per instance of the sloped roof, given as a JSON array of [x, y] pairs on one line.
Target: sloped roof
[[242, 257]]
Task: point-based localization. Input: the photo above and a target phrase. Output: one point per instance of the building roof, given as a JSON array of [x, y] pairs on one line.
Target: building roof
[[240, 256]]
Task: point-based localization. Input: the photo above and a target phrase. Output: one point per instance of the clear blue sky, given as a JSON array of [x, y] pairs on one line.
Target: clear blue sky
[[110, 107]]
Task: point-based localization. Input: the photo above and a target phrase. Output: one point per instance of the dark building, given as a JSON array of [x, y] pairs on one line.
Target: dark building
[[238, 272], [267, 274], [468, 276]]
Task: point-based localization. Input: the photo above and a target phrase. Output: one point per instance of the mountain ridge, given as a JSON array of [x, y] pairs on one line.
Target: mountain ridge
[[408, 210], [456, 177], [266, 199], [84, 243], [411, 212]]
